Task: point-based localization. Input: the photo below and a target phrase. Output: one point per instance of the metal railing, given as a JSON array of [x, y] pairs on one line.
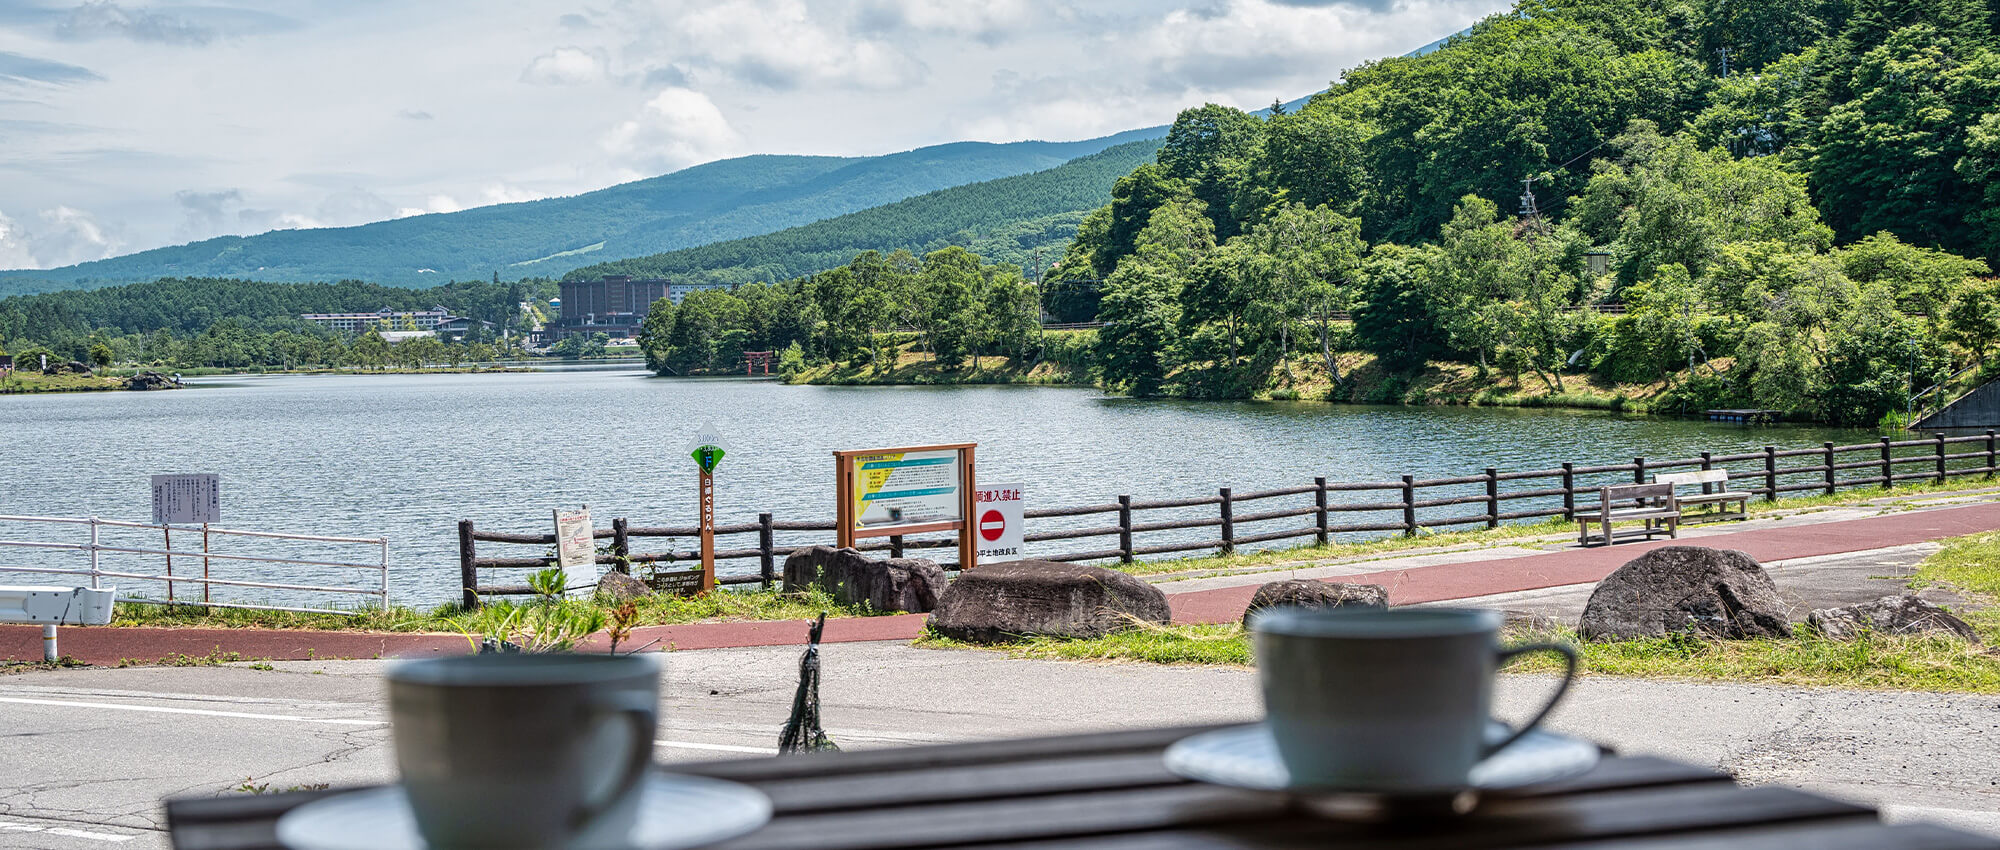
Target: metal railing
[[1409, 506], [96, 549]]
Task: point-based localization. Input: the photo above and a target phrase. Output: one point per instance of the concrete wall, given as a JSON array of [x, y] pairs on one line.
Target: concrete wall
[[1977, 409]]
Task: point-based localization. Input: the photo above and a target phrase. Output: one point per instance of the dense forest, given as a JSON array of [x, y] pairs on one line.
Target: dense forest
[[1791, 204], [1796, 200], [1004, 220], [208, 322], [727, 199]]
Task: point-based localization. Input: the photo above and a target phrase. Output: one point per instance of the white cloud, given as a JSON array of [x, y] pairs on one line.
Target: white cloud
[[63, 236], [14, 250], [432, 204], [675, 129], [566, 66], [774, 45]]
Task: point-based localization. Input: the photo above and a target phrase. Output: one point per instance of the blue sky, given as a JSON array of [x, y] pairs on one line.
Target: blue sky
[[129, 125]]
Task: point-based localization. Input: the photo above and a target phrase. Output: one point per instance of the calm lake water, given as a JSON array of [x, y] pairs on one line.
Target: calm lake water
[[406, 457]]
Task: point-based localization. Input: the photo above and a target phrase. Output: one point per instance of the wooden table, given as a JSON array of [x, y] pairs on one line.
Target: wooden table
[[1110, 791]]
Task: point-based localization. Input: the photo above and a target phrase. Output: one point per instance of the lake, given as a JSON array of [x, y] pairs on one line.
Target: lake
[[407, 456]]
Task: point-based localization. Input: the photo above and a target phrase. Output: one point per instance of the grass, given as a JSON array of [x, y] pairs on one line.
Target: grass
[[22, 381], [1967, 565], [652, 611], [1874, 662]]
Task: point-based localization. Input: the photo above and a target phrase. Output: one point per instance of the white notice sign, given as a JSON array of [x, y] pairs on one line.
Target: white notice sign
[[576, 549], [187, 499], [904, 488], [997, 519]]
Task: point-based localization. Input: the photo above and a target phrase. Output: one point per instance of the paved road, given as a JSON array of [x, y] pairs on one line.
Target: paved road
[[89, 753]]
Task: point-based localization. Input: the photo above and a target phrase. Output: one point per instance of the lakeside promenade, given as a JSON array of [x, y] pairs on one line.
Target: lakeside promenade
[[1440, 577]]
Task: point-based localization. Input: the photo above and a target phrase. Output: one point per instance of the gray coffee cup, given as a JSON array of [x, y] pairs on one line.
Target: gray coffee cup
[[524, 750], [1394, 701]]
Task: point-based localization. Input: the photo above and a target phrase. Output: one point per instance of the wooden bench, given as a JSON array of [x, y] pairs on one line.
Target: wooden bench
[[1721, 495], [1653, 503]]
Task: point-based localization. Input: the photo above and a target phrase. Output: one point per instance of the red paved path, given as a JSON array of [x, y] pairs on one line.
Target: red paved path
[[1417, 584]]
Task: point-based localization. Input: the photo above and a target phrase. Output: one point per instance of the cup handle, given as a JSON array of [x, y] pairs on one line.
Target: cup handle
[[1569, 675], [640, 711]]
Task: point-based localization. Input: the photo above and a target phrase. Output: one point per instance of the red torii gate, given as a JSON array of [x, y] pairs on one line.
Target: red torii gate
[[753, 359]]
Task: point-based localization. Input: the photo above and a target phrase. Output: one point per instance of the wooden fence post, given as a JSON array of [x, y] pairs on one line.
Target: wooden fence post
[[1125, 529], [1409, 506], [1638, 470], [1827, 448], [1492, 497], [1319, 504], [1228, 523], [767, 550], [1707, 463], [1888, 468], [1991, 455], [468, 567], [1940, 457], [895, 546], [1770, 473], [1569, 492], [621, 546]]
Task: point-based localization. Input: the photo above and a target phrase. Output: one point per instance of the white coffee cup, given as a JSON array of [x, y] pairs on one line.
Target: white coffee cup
[[1385, 700]]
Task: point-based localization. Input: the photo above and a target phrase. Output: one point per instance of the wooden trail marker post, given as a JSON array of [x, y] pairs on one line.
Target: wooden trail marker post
[[707, 449], [910, 490]]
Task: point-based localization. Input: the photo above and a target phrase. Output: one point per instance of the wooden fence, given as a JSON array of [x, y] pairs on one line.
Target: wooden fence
[[1411, 505]]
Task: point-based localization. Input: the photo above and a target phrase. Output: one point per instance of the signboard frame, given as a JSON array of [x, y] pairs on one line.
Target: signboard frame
[[847, 528]]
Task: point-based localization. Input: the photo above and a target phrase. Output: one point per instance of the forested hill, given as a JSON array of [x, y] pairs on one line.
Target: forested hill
[[1004, 220], [718, 201]]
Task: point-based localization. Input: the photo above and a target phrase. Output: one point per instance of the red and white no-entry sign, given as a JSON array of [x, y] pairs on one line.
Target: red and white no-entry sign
[[999, 522], [992, 525]]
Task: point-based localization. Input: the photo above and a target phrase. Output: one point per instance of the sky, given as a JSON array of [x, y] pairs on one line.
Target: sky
[[129, 125]]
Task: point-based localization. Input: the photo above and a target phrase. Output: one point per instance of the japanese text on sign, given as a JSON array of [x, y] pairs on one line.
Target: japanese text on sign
[[187, 499], [576, 548]]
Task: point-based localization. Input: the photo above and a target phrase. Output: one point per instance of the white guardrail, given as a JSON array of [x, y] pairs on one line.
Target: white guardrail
[[96, 548]]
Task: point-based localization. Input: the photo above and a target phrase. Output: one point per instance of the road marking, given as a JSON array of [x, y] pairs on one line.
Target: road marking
[[203, 712], [12, 826], [724, 748]]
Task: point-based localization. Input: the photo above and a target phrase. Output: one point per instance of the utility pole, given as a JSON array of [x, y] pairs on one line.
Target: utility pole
[[1724, 53]]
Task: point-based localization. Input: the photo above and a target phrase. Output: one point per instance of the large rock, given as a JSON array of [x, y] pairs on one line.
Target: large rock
[[1718, 592], [149, 380], [1890, 615], [1019, 599], [620, 588], [1307, 593], [896, 584]]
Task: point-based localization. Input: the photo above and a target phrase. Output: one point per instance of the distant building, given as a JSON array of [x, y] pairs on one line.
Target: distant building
[[614, 305], [383, 319]]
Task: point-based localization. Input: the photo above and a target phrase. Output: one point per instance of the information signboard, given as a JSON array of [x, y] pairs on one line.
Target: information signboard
[[997, 517], [187, 499], [912, 490], [907, 488], [576, 549]]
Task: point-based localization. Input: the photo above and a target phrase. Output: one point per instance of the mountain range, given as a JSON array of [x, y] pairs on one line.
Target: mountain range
[[718, 201]]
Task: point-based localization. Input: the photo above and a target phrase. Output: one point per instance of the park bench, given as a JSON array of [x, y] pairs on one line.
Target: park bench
[[1721, 494], [1652, 503]]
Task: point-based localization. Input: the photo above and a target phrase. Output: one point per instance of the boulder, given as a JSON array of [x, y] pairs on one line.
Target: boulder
[[895, 584], [1717, 592], [1017, 599], [1890, 615], [1307, 593], [621, 588], [149, 380]]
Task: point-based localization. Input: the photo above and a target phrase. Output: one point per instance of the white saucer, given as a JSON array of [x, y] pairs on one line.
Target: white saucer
[[1247, 757], [674, 812]]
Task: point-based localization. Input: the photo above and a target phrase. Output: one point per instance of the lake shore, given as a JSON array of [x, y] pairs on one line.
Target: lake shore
[[28, 383]]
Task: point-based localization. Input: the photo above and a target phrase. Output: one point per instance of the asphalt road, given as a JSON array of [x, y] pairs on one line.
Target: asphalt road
[[88, 754]]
